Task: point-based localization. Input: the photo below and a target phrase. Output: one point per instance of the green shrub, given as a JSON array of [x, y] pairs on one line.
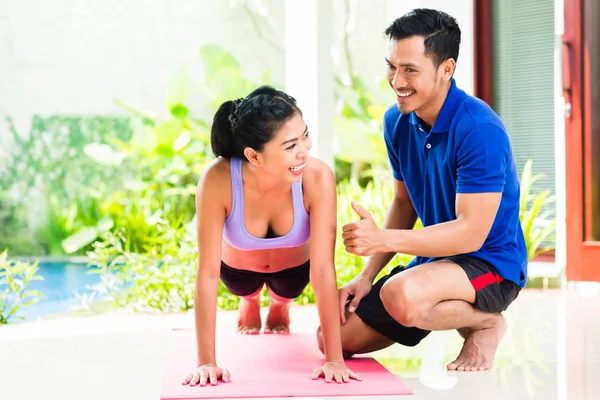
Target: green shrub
[[162, 278]]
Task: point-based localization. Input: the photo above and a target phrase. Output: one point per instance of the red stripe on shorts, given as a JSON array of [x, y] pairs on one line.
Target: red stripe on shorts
[[485, 280]]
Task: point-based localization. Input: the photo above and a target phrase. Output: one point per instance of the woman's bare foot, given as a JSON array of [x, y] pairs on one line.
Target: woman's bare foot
[[249, 322], [278, 319], [479, 348]]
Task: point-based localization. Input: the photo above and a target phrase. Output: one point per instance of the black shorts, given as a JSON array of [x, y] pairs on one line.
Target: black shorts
[[493, 295], [288, 283]]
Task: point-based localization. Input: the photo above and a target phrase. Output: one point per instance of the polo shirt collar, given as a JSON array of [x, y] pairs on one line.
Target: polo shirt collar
[[444, 119]]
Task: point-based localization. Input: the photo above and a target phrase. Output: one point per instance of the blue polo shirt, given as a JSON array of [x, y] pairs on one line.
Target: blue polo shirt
[[466, 151]]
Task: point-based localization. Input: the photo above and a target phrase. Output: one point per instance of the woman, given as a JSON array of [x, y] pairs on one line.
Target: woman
[[258, 204]]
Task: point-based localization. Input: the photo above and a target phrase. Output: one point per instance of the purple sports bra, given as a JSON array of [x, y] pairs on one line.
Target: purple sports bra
[[234, 230]]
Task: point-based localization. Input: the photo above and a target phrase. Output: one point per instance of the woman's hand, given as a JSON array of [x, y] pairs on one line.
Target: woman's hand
[[207, 373], [335, 370]]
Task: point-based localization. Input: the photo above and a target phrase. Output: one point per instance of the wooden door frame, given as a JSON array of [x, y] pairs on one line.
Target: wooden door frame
[[483, 54], [582, 255], [571, 76]]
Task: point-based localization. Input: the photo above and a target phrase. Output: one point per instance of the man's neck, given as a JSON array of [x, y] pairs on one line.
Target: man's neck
[[431, 110]]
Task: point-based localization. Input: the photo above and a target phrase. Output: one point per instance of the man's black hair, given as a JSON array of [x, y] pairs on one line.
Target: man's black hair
[[440, 30]]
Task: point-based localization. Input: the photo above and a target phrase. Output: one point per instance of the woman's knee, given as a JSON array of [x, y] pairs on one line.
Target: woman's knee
[[401, 299]]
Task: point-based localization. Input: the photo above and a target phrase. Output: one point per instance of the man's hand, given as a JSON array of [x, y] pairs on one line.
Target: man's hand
[[358, 288], [362, 237]]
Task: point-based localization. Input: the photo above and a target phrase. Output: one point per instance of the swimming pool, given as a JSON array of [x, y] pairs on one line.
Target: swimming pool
[[62, 281]]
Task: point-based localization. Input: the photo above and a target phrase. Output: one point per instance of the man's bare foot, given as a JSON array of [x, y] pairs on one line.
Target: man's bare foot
[[278, 319], [479, 348], [249, 322]]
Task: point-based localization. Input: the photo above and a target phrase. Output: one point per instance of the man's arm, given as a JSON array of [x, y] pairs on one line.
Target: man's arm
[[475, 214], [483, 155], [401, 215]]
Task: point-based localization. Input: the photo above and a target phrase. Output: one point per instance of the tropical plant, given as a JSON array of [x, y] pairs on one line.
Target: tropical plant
[[14, 278], [46, 181], [161, 278], [534, 213]]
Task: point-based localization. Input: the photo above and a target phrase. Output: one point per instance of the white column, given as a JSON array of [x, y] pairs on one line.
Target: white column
[[309, 69]]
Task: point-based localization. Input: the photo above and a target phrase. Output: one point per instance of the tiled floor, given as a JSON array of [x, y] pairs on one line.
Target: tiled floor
[[551, 351]]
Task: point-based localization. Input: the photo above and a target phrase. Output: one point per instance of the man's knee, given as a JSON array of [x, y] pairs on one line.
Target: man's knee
[[345, 353], [320, 340], [400, 297]]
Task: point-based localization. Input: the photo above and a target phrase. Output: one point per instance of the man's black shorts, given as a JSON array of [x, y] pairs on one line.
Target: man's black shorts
[[493, 294]]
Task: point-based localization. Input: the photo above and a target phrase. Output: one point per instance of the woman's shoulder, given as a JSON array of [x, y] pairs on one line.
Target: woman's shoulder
[[318, 176], [217, 169], [215, 175]]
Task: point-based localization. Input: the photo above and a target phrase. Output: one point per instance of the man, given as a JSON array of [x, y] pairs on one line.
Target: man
[[453, 168]]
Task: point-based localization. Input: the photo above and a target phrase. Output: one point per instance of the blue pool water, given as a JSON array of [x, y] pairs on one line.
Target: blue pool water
[[61, 283]]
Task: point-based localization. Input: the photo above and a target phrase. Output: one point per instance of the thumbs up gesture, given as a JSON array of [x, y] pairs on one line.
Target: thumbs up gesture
[[363, 237]]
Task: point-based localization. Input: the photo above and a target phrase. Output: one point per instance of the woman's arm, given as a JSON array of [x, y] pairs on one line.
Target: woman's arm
[[210, 214], [321, 190]]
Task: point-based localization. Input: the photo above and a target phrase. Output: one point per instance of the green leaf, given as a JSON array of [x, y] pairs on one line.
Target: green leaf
[[182, 141], [180, 111], [105, 224], [168, 133], [30, 302], [80, 239]]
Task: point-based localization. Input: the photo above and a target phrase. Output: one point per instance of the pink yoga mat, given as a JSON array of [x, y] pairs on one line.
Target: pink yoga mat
[[270, 366]]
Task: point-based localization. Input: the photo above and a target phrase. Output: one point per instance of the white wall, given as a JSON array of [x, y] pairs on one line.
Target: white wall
[[77, 56]]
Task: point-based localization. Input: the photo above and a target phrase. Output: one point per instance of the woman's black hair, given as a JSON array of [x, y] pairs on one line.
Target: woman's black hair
[[250, 122]]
